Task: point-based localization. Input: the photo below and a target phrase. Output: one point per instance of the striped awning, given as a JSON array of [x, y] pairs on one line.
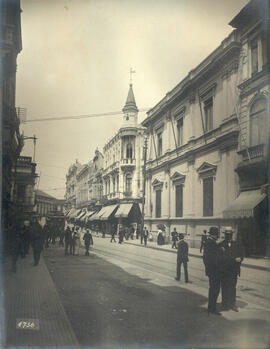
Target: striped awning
[[88, 215], [244, 205], [123, 210]]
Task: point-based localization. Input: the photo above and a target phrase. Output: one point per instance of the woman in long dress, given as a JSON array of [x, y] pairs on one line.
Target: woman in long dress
[[76, 242]]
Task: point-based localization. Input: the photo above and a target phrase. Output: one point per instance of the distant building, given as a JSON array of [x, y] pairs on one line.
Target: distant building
[[208, 140], [46, 203], [122, 173], [71, 183], [82, 186], [95, 180]]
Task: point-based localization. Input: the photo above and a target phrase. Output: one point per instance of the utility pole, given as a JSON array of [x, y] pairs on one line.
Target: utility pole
[[144, 178]]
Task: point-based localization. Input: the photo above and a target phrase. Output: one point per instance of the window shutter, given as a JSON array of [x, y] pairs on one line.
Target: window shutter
[[208, 196], [179, 200], [158, 203]]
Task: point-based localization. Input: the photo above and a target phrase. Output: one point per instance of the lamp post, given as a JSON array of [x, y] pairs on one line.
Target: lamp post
[[144, 178]]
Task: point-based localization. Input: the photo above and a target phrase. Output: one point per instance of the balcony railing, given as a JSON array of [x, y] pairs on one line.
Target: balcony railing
[[128, 162], [127, 194], [257, 151]]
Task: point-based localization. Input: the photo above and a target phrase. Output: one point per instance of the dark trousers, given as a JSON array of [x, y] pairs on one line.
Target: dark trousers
[[67, 247], [178, 270], [228, 289], [174, 244], [87, 249], [145, 240], [214, 288], [113, 238], [141, 239], [36, 253]]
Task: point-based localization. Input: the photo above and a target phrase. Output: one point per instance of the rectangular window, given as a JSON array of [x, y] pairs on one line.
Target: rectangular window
[[180, 132], [158, 203], [208, 197], [159, 144], [208, 114], [254, 56], [179, 200]]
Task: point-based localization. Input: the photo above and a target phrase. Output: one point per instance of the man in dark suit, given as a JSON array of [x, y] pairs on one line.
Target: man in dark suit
[[145, 236], [182, 258], [174, 235], [211, 259], [203, 240], [88, 240], [232, 257], [37, 240]]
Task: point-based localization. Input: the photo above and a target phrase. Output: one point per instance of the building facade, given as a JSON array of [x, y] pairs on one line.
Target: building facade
[[123, 157], [71, 185], [95, 184], [252, 25], [196, 132], [25, 176], [82, 188], [12, 142]]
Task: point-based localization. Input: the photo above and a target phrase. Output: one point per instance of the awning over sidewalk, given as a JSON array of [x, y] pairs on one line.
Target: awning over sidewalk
[[81, 215], [123, 210], [244, 205], [88, 215], [75, 214], [107, 212], [94, 217], [71, 212]]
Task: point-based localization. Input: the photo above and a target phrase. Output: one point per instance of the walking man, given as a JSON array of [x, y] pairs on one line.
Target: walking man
[[232, 257], [182, 258], [113, 233], [211, 259], [68, 240], [174, 235], [37, 240], [145, 235], [203, 240], [88, 240]]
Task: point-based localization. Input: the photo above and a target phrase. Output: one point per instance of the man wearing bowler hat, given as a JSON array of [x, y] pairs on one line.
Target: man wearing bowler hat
[[232, 257], [182, 258], [211, 259]]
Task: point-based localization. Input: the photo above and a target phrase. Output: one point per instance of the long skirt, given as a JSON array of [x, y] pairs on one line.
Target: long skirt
[[76, 246]]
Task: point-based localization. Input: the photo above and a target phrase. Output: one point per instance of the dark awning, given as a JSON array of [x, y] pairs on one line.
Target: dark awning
[[123, 210], [244, 205]]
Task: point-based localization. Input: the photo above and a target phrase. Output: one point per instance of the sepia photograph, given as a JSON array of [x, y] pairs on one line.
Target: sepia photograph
[[135, 196]]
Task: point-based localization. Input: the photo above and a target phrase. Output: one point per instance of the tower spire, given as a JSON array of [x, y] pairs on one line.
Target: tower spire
[[130, 105]]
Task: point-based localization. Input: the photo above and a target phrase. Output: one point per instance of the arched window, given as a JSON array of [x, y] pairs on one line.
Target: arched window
[[128, 182], [129, 151], [258, 122]]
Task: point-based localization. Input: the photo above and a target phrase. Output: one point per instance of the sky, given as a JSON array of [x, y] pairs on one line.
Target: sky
[[76, 59]]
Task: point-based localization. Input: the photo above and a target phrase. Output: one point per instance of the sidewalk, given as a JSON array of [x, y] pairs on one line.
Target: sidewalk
[[253, 263], [30, 294]]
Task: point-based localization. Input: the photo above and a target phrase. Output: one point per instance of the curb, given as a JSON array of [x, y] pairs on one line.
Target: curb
[[246, 265]]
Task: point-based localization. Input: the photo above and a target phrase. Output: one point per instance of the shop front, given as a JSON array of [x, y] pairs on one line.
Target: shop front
[[250, 213]]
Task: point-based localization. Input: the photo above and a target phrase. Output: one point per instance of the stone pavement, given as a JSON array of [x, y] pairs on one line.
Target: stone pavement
[[30, 294], [254, 263]]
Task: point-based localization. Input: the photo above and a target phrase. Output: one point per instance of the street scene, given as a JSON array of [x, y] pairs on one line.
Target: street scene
[[135, 174]]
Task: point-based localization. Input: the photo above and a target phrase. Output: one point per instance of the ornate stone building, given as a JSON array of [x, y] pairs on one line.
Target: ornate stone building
[[71, 185], [207, 133], [12, 143]]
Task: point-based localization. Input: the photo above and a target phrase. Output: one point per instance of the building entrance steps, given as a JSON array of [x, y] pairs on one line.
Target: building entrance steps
[[30, 294], [253, 263]]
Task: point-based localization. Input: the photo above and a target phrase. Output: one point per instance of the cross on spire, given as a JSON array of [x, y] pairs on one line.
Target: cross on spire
[[131, 71]]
